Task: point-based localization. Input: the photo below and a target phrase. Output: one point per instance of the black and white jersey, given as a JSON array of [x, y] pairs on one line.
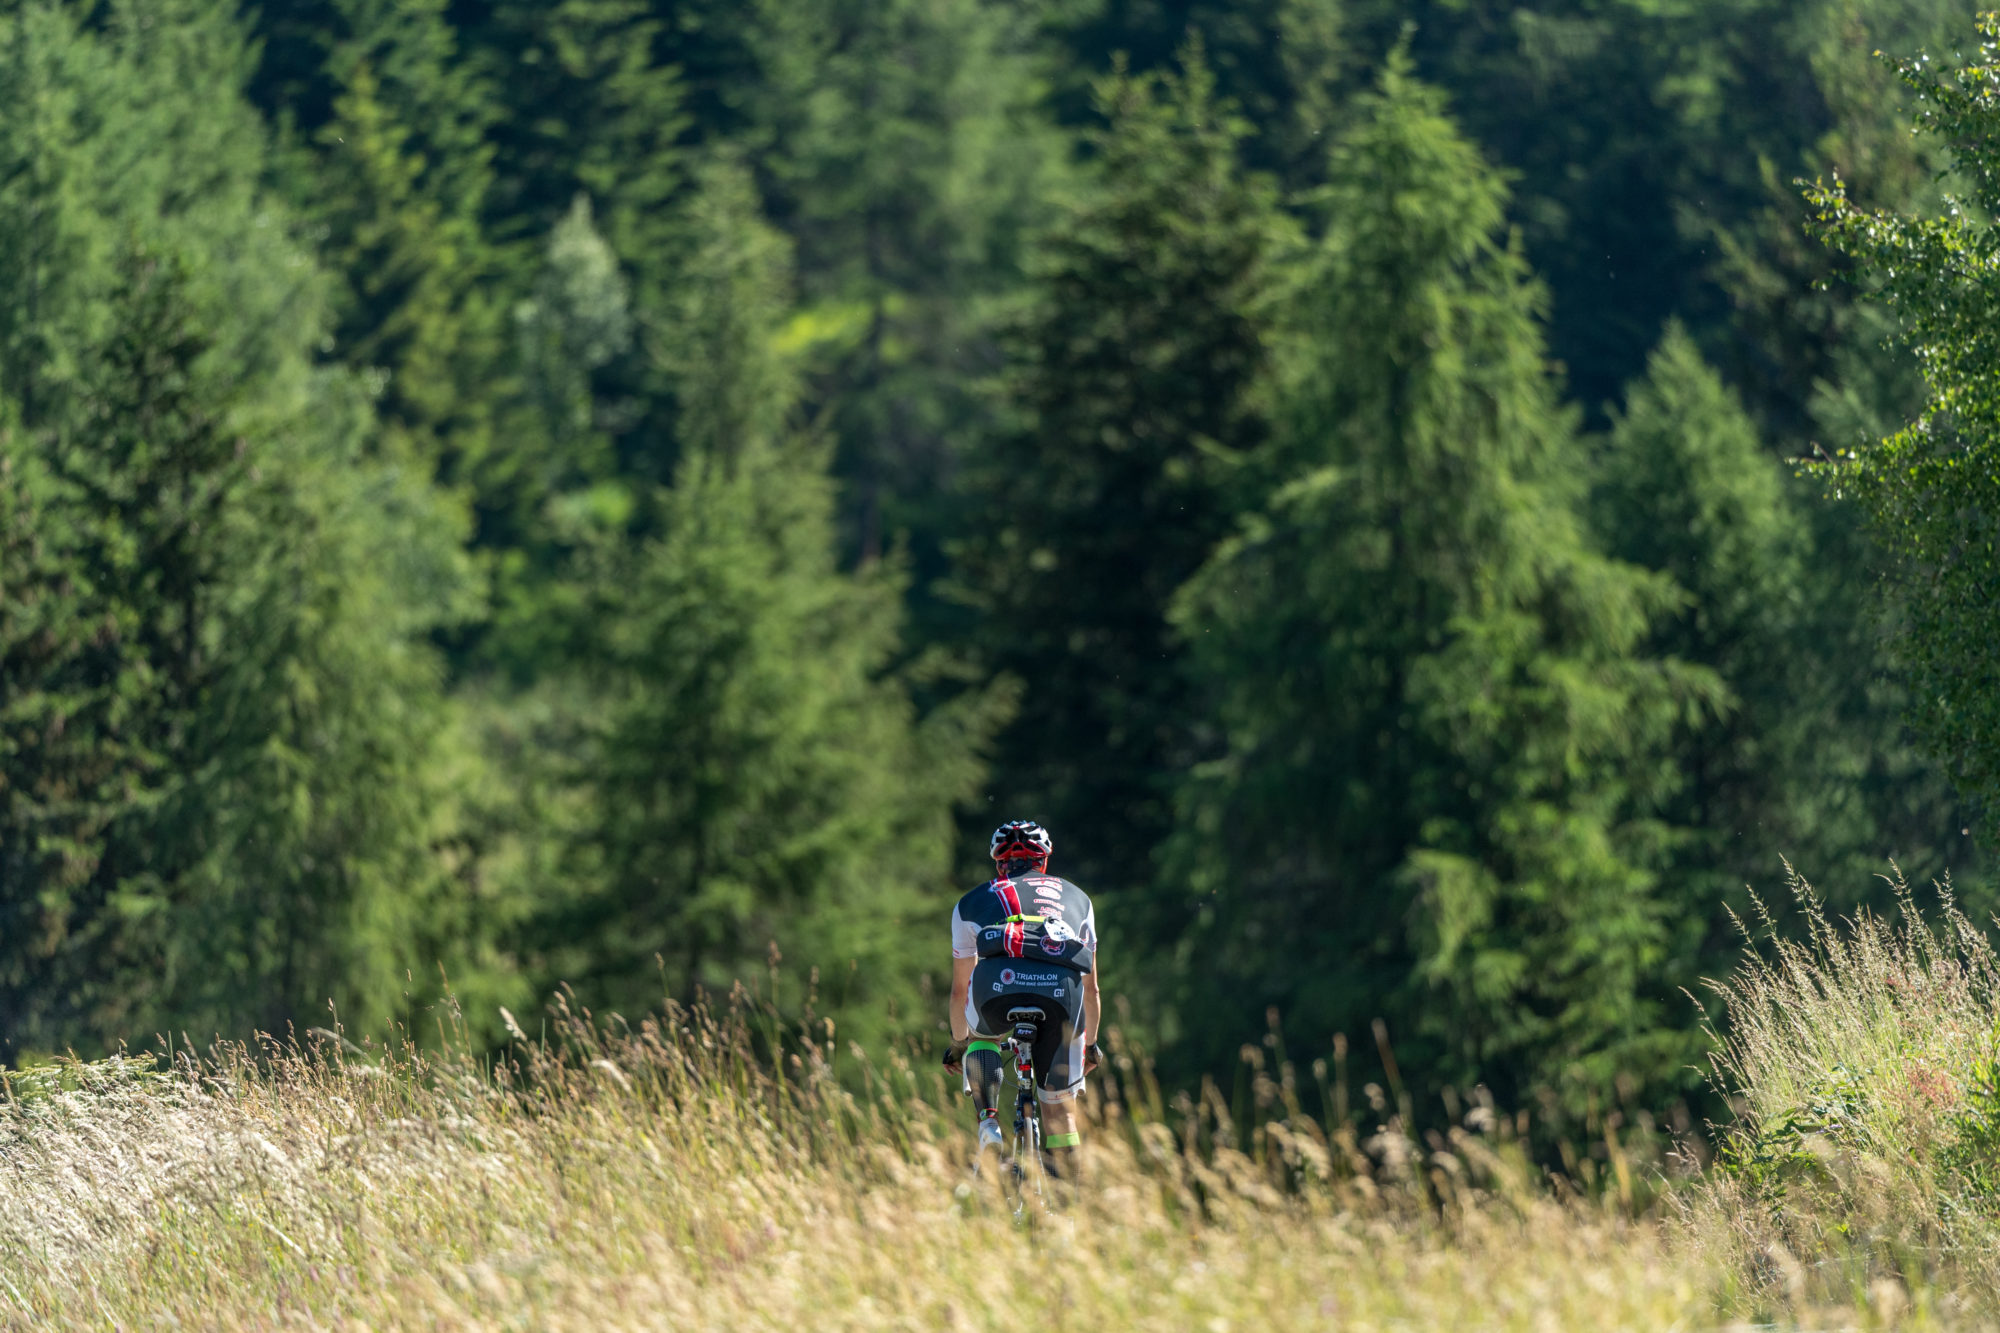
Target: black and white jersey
[[1035, 917]]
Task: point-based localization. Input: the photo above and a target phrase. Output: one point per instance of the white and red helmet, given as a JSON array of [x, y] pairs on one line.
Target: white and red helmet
[[1022, 840]]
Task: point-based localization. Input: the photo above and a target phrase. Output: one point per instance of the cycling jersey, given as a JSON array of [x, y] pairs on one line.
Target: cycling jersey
[[1035, 937], [1033, 917]]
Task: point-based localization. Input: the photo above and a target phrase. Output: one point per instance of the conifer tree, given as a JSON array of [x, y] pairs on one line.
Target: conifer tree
[[591, 108], [756, 772], [104, 125], [1808, 762], [1138, 376], [1444, 738], [399, 179], [1685, 487], [1285, 64], [578, 319], [68, 761], [282, 859], [909, 159], [592, 118], [222, 716]]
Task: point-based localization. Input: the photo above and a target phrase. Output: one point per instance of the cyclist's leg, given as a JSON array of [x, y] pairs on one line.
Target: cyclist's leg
[[984, 1061], [1060, 1137], [1059, 1076]]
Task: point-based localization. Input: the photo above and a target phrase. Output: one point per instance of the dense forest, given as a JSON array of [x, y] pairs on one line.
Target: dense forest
[[625, 494]]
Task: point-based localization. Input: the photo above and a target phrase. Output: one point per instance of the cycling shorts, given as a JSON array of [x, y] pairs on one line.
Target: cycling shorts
[[1001, 984]]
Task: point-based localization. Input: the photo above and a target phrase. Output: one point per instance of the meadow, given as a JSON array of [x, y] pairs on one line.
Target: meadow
[[670, 1175]]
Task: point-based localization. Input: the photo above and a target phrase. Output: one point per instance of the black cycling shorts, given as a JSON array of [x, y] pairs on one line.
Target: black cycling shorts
[[1000, 984]]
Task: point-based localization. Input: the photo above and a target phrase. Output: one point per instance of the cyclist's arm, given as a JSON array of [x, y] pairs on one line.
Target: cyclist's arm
[[964, 957], [1093, 1002], [961, 989]]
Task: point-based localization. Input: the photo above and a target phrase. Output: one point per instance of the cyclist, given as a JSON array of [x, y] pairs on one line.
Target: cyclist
[[1026, 939]]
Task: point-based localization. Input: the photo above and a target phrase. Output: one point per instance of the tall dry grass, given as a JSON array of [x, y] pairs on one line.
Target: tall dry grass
[[1864, 1066], [670, 1176]]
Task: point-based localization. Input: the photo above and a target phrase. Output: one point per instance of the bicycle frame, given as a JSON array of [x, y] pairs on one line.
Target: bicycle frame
[[1027, 1107]]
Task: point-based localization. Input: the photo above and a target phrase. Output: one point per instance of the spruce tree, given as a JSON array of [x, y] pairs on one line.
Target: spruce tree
[[398, 176], [1684, 486], [1137, 376], [223, 800], [591, 118], [907, 155], [1807, 762], [256, 568], [69, 763], [1286, 64], [1444, 738], [579, 318], [756, 774], [590, 107]]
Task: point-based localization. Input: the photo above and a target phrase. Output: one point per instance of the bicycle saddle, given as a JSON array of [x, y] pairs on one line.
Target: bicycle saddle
[[1024, 1014]]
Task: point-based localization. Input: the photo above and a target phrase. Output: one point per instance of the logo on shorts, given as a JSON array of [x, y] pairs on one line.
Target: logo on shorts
[[1007, 976]]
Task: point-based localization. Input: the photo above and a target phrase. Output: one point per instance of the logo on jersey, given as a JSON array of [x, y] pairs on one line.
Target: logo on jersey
[[1052, 945]]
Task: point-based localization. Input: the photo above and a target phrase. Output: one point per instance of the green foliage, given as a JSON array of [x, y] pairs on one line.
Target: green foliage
[[1929, 487], [591, 124], [1793, 1145], [397, 178], [1969, 1163], [1655, 145], [910, 162], [1859, 1064], [100, 146], [756, 776], [237, 583], [506, 491], [1139, 375], [1445, 738], [1685, 486], [220, 703], [1652, 148], [288, 861], [578, 319], [592, 108], [1287, 65]]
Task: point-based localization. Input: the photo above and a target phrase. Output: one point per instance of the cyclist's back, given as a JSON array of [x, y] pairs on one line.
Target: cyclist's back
[[1035, 938]]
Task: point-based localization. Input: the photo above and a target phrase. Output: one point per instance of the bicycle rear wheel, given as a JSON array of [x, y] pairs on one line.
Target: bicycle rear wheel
[[1030, 1171]]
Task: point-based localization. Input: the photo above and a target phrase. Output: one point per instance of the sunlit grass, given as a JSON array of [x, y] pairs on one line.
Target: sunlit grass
[[671, 1176], [1865, 1160]]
